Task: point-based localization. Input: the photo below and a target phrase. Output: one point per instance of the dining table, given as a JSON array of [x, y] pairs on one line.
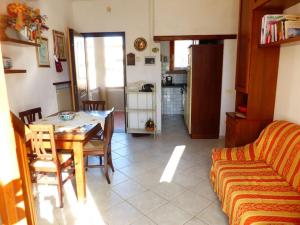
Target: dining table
[[72, 135]]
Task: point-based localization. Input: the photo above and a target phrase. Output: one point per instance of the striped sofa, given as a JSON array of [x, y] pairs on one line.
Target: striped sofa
[[259, 184]]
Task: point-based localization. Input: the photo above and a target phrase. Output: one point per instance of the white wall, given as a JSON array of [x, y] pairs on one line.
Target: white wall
[[228, 82], [178, 17], [35, 88], [287, 106], [131, 17]]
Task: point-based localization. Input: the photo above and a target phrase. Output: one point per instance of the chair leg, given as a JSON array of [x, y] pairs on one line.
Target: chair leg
[[111, 163], [106, 169], [100, 160], [60, 189], [86, 163], [110, 160]]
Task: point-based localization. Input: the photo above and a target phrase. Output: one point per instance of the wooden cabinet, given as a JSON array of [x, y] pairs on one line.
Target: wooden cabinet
[[204, 90], [244, 49], [240, 131], [256, 74]]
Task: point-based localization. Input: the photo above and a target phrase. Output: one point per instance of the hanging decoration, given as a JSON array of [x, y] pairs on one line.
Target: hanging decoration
[[23, 22]]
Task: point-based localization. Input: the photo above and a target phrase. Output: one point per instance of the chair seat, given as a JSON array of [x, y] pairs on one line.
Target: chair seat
[[94, 147], [47, 165]]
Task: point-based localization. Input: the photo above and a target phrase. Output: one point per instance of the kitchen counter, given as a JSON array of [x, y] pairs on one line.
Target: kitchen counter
[[174, 86]]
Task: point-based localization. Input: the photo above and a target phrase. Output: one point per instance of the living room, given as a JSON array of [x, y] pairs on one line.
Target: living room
[[164, 177]]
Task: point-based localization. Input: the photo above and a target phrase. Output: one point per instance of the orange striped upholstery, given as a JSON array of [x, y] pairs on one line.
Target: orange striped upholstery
[[259, 184]]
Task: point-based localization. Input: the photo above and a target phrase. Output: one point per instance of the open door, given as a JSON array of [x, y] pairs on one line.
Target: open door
[[78, 72]]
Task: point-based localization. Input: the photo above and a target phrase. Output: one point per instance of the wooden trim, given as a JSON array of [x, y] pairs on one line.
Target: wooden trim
[[275, 4], [20, 138], [195, 37], [103, 34], [63, 82], [172, 53]]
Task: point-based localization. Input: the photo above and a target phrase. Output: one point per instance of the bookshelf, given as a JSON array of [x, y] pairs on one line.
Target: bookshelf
[[256, 72], [294, 40]]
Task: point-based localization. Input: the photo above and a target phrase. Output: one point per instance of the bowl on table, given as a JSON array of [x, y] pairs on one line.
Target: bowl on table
[[65, 116]]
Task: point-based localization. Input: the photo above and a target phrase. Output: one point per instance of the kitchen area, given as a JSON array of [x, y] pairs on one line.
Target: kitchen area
[[191, 76], [174, 83]]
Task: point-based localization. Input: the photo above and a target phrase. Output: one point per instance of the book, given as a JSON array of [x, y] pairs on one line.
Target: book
[[291, 28], [276, 27]]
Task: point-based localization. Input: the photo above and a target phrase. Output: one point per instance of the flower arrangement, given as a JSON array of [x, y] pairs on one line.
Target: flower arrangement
[[25, 20]]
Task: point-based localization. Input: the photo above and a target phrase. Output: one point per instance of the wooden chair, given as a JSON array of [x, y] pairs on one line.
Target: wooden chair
[[30, 115], [102, 148], [90, 105], [47, 159]]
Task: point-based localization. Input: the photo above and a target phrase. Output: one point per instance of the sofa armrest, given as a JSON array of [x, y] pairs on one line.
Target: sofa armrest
[[245, 153]]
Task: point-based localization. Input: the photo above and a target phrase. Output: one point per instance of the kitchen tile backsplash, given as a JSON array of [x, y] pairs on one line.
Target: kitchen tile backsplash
[[172, 100], [179, 78]]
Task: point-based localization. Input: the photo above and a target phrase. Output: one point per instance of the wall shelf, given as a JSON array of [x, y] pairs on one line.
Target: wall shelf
[[11, 41], [293, 40], [10, 71]]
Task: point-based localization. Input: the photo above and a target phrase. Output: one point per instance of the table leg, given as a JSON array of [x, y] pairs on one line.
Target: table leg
[[79, 171]]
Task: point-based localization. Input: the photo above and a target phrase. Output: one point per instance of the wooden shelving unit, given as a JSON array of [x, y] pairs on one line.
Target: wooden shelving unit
[[16, 42], [293, 40], [10, 71], [257, 71]]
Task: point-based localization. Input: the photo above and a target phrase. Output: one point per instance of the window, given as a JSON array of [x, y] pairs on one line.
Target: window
[[114, 69], [181, 53]]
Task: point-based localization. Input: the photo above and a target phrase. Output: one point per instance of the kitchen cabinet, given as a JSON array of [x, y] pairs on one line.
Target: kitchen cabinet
[[204, 81]]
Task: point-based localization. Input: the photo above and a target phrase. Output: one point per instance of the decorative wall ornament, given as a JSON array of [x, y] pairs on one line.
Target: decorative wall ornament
[[59, 45], [130, 59], [140, 44], [150, 60], [42, 53]]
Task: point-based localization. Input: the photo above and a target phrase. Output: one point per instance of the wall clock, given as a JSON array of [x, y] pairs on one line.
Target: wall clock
[[140, 44]]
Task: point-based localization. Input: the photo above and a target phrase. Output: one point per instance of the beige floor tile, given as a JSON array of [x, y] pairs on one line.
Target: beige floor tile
[[187, 180], [128, 189], [146, 201], [169, 215], [205, 189], [143, 221], [168, 190], [191, 202], [195, 221], [213, 215], [123, 214]]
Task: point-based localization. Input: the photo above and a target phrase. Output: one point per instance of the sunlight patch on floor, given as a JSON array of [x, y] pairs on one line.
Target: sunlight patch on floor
[[173, 162]]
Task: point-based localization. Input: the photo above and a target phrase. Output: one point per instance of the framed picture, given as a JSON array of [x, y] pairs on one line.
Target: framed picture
[[59, 45], [42, 52], [150, 60]]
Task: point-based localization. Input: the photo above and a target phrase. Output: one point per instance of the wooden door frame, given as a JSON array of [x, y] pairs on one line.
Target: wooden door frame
[[115, 34], [16, 199]]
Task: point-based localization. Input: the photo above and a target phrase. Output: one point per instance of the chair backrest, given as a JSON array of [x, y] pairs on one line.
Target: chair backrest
[[30, 115], [89, 105], [107, 133], [279, 146], [42, 142], [112, 111]]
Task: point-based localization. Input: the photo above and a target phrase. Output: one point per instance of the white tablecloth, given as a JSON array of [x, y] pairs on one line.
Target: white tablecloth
[[81, 119]]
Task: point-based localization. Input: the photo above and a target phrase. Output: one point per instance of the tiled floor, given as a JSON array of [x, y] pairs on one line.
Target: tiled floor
[[148, 187]]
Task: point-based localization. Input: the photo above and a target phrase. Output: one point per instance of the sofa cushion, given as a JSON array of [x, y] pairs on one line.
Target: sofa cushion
[[279, 146], [251, 192]]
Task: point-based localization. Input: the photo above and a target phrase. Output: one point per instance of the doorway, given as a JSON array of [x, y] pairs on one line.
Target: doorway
[[99, 71]]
